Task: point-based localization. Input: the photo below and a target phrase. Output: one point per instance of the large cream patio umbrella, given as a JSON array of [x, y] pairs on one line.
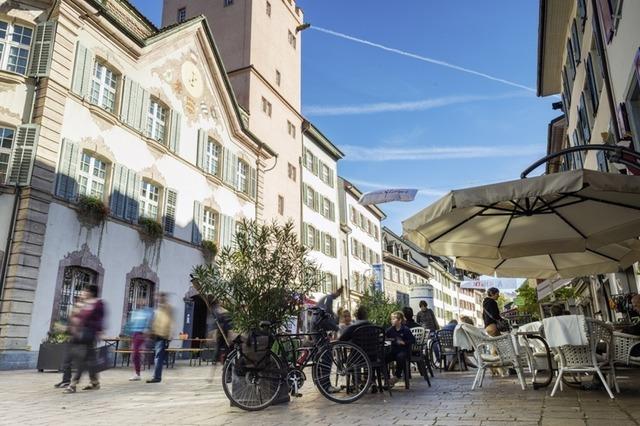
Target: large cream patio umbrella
[[566, 212], [606, 259]]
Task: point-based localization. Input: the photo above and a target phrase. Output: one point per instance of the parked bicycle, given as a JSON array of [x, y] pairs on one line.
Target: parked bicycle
[[259, 366]]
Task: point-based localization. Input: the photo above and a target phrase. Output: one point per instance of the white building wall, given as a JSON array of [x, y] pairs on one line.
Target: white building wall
[[120, 249], [316, 219], [356, 264]]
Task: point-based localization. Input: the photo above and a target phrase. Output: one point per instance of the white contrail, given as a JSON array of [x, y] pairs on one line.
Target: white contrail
[[421, 105], [423, 58], [384, 153]]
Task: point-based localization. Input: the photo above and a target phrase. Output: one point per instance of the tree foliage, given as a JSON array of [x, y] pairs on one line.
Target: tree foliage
[[529, 297], [261, 277], [379, 307]]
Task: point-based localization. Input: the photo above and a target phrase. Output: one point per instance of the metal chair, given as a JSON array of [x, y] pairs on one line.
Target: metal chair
[[370, 339], [493, 352], [447, 348], [418, 350], [585, 359]]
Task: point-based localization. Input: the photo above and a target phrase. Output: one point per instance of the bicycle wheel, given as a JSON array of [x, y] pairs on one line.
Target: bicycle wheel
[[251, 388], [342, 372]]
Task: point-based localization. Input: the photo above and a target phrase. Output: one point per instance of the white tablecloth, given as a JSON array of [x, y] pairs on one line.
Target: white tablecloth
[[565, 330], [460, 339]]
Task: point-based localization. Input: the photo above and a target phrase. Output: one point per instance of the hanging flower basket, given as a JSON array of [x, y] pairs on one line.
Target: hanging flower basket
[[150, 229], [92, 210]]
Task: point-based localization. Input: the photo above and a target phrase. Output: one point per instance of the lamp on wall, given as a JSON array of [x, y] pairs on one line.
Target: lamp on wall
[[302, 27]]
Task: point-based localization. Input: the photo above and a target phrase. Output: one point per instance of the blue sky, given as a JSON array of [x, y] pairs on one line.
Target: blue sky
[[369, 82]]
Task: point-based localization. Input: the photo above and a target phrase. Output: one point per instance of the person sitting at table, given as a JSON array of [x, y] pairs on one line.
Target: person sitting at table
[[451, 325], [401, 341], [408, 317], [345, 320], [362, 318]]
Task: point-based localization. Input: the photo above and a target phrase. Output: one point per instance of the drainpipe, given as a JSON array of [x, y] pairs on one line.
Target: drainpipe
[[605, 70]]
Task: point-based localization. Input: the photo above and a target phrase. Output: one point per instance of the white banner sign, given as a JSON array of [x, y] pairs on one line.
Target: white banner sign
[[388, 195], [499, 283]]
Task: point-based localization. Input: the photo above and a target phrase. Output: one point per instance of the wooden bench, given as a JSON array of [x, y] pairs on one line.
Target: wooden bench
[[172, 352], [126, 353]]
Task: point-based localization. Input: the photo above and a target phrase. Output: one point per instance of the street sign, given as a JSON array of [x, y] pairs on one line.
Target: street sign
[[378, 276], [387, 195]]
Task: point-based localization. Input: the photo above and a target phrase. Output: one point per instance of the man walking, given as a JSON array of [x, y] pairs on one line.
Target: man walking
[[161, 333], [137, 328], [87, 326], [427, 318]]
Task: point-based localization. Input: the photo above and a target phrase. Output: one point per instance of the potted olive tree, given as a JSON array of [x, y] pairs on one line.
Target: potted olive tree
[[263, 276]]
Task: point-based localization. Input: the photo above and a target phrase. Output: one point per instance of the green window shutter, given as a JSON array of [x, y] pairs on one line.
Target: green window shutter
[[305, 190], [66, 176], [317, 240], [82, 70], [132, 110], [333, 211], [202, 149], [170, 204], [141, 124], [174, 132], [315, 165], [23, 154], [196, 235], [227, 231], [305, 235], [323, 240], [119, 191], [331, 180], [133, 195], [253, 182], [42, 49], [317, 200], [232, 169]]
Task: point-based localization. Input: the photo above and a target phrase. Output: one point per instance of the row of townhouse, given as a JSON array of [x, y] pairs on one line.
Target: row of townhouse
[[406, 269], [589, 56]]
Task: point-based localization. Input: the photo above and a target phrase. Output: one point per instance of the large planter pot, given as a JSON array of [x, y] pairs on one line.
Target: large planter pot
[[51, 356]]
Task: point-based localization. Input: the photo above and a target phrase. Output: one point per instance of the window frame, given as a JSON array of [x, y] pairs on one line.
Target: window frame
[[74, 292], [103, 89], [213, 162], [4, 151], [146, 200], [90, 175], [280, 205], [242, 176], [266, 106], [181, 14], [209, 228], [8, 44], [293, 42], [228, 3], [156, 123], [268, 9]]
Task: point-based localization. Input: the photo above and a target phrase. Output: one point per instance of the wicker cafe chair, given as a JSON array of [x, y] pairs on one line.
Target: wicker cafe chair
[[447, 348], [584, 358], [370, 339], [418, 357], [505, 353], [622, 344]]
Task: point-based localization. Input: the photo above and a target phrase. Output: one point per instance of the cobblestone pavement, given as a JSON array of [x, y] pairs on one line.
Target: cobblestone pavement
[[186, 397]]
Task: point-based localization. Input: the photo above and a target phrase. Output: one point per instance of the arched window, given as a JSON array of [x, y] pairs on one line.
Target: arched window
[[140, 295], [75, 279]]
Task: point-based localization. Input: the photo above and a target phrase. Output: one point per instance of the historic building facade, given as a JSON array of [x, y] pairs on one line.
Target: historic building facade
[[102, 112], [261, 47], [320, 221], [589, 56], [360, 242]]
